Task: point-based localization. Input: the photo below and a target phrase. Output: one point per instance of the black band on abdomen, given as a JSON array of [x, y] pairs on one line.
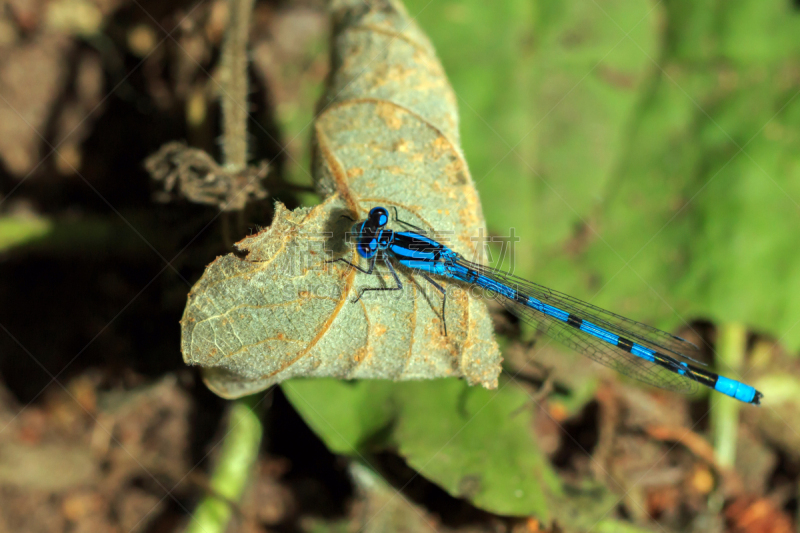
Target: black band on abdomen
[[625, 344], [574, 321]]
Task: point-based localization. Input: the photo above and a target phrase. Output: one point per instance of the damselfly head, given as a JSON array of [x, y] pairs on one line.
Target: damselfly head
[[378, 217], [369, 233]]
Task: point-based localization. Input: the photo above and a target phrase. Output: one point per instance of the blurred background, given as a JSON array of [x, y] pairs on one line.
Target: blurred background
[[646, 154]]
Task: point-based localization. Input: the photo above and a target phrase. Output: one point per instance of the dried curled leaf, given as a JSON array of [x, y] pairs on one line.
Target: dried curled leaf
[[387, 135], [193, 174]]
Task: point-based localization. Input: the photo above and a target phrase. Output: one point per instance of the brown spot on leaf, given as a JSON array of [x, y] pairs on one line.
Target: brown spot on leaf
[[390, 115], [456, 172], [402, 146], [355, 172], [440, 145]]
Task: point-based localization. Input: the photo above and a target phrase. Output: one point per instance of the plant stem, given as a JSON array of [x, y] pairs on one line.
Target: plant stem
[[234, 85], [232, 472], [731, 346]]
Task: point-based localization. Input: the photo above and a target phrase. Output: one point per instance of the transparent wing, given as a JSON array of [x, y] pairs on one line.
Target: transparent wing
[[636, 331], [590, 346], [602, 352]]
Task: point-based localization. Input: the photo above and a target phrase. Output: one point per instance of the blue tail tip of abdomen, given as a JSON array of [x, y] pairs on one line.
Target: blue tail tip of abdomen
[[738, 390]]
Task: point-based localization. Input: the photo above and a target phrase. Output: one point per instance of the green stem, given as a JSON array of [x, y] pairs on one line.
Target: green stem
[[731, 346], [235, 465]]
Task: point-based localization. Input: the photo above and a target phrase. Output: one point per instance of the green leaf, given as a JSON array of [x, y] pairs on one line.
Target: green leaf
[[476, 444], [626, 184], [703, 215], [544, 110], [350, 416]]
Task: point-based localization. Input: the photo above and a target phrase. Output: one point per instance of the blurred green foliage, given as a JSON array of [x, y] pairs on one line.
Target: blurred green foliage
[[20, 230], [647, 154]]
